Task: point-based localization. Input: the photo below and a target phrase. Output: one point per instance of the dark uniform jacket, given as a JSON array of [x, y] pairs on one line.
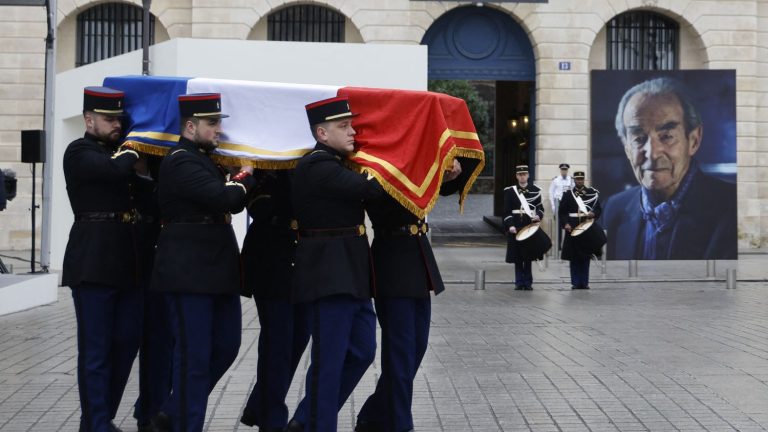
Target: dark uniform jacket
[[329, 197], [514, 216], [705, 227], [271, 240], [197, 251], [568, 207], [404, 263], [102, 187]]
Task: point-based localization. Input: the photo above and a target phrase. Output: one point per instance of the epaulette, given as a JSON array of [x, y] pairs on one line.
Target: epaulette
[[178, 150]]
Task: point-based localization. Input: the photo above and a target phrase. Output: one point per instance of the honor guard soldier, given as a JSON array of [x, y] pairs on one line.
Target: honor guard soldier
[[406, 275], [156, 351], [267, 264], [333, 266], [522, 207], [579, 208], [100, 262], [559, 185], [197, 261]]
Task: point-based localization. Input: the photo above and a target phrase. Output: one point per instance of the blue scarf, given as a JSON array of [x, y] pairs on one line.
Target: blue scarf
[[661, 217]]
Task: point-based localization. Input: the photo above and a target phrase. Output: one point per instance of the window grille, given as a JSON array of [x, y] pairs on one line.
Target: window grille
[[642, 40], [110, 29], [306, 23]]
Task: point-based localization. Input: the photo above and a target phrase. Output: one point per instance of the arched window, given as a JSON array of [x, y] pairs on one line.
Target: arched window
[[110, 29], [642, 40], [306, 23]]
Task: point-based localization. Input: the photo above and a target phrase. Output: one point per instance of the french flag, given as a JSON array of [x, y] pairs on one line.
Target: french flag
[[406, 139]]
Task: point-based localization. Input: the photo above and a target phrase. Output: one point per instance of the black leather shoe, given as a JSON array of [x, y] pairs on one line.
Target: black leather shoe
[[528, 288], [519, 287], [248, 418], [114, 428], [147, 427], [271, 429], [294, 426], [585, 287], [366, 426], [573, 287], [161, 423]]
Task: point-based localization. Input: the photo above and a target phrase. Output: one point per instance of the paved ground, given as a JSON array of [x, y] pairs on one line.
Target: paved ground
[[670, 350]]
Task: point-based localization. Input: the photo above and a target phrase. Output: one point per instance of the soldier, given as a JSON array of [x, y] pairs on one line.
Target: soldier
[[100, 264], [559, 185], [267, 257], [578, 205], [406, 274], [333, 266], [198, 260], [522, 207], [156, 351]]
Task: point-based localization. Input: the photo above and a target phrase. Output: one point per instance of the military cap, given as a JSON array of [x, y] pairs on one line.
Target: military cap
[[335, 108], [521, 169], [578, 174], [564, 166], [201, 105], [103, 100]]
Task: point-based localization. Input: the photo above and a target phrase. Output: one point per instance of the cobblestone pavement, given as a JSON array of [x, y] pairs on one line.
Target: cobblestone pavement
[[671, 350]]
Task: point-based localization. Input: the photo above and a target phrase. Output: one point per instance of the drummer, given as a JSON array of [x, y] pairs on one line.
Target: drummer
[[522, 207], [578, 206]]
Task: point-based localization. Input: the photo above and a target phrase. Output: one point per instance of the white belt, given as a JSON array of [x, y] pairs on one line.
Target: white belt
[[518, 212], [577, 214]]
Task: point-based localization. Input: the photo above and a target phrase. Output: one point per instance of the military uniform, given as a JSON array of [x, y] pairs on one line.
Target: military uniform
[[101, 265], [267, 264], [156, 352], [515, 215], [406, 274], [333, 274], [571, 214], [197, 266]]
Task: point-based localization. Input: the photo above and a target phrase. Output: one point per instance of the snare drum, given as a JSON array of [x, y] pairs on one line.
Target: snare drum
[[532, 242], [588, 237]]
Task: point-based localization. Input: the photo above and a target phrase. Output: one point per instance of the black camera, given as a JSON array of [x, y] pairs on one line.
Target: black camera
[[9, 184]]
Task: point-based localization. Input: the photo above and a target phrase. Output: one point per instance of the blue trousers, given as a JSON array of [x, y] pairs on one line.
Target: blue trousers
[[283, 337], [155, 359], [580, 272], [343, 346], [108, 337], [206, 329], [523, 274], [404, 334]]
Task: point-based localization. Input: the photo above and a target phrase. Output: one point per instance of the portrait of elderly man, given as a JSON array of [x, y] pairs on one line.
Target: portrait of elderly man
[[677, 211]]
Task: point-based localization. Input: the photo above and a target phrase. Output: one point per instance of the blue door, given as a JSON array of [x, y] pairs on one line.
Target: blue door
[[490, 50]]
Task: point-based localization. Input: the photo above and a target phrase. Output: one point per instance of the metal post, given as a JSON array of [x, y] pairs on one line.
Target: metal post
[[711, 272], [50, 91], [604, 258], [730, 278], [479, 280], [145, 37], [34, 207], [633, 268]]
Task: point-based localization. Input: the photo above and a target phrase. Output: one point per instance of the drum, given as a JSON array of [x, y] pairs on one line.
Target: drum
[[532, 242], [588, 237]]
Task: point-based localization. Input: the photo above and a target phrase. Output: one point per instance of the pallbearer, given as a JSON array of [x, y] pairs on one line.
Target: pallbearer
[[100, 265], [197, 264], [523, 211], [579, 209]]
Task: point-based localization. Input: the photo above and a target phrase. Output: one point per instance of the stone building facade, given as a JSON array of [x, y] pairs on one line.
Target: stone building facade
[[724, 34]]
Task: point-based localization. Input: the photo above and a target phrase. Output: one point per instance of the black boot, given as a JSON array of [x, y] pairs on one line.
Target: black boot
[[294, 426], [161, 422], [366, 426]]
